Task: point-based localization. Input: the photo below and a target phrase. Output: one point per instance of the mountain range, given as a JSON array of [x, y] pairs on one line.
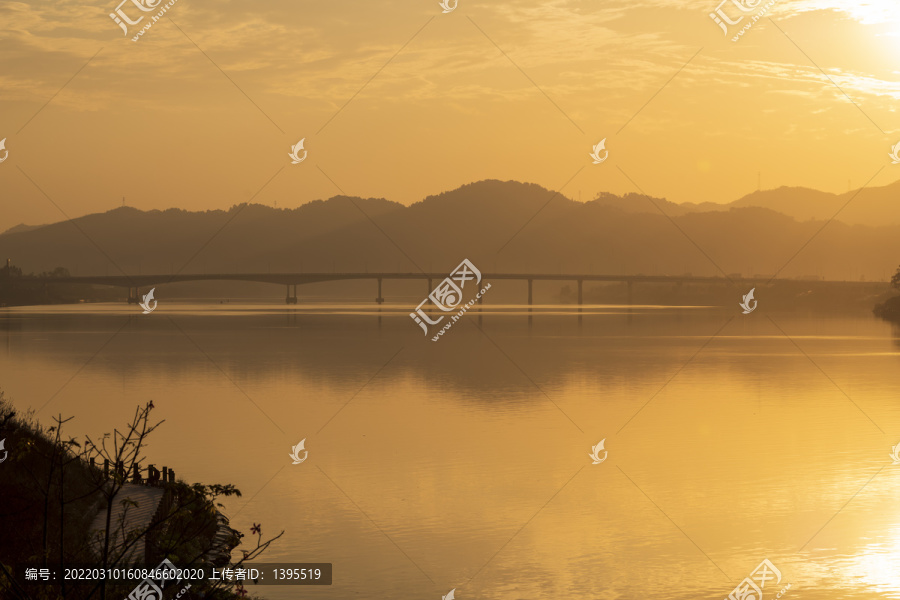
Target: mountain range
[[868, 206], [503, 226]]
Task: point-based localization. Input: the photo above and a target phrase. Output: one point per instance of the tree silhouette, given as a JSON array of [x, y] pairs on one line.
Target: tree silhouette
[[63, 483]]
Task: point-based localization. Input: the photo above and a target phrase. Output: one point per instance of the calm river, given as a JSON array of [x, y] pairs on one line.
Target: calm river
[[465, 463]]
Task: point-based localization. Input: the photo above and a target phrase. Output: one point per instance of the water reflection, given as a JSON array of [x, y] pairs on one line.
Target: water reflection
[[722, 450]]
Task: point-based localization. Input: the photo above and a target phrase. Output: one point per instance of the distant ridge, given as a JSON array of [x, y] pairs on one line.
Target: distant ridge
[[20, 227], [502, 225], [873, 206]]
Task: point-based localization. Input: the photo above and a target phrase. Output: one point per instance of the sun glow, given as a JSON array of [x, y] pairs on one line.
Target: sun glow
[[874, 13], [865, 12], [879, 566]]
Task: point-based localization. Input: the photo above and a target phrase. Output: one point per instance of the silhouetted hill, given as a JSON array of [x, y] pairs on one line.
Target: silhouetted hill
[[638, 203], [872, 206], [479, 221], [21, 227]]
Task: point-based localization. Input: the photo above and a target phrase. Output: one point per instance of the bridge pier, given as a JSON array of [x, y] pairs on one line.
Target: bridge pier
[[630, 294], [480, 311], [380, 299], [288, 298], [133, 295], [580, 298], [530, 300]]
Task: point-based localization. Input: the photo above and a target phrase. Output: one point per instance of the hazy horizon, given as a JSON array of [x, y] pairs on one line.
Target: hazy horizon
[[398, 102]]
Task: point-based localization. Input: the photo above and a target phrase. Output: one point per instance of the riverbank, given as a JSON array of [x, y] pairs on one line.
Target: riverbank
[[42, 291], [59, 501], [889, 310]]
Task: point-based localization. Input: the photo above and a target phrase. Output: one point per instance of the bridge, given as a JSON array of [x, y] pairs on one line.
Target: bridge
[[292, 280]]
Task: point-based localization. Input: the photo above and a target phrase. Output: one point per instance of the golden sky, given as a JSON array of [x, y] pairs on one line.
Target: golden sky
[[201, 112]]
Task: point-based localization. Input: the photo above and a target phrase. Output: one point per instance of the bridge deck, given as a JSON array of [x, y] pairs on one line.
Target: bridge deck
[[306, 278]]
